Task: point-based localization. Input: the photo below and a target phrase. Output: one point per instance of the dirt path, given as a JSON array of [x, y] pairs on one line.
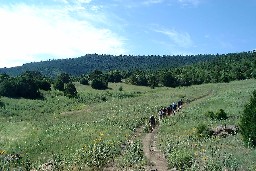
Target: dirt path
[[156, 158]]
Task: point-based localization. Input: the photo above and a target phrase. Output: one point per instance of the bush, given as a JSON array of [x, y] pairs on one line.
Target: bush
[[220, 115], [58, 85], [2, 105], [248, 120], [120, 88], [203, 130], [44, 85], [99, 84], [84, 81], [210, 114], [70, 90], [180, 159]]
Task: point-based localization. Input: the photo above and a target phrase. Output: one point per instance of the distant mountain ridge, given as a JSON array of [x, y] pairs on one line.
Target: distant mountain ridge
[[90, 62]]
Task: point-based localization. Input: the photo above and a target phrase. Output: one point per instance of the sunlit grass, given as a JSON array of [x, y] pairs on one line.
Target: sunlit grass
[[38, 130], [213, 153]]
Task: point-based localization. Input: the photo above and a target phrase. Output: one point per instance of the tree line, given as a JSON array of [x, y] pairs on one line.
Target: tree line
[[224, 68], [91, 62]]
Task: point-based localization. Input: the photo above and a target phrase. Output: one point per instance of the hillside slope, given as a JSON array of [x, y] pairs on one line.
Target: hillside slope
[[91, 62]]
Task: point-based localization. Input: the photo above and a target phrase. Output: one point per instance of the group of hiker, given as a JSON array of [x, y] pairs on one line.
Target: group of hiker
[[164, 112]]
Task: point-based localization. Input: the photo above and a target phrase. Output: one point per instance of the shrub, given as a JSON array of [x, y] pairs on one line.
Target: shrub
[[120, 88], [133, 154], [58, 85], [221, 115], [248, 120], [70, 90], [44, 85], [203, 130], [210, 114], [98, 154], [99, 84], [2, 105], [84, 81], [180, 159]]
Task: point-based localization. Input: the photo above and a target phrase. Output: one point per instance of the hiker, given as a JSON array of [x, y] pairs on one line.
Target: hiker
[[152, 123], [164, 112], [180, 103], [169, 111], [160, 114], [174, 107]]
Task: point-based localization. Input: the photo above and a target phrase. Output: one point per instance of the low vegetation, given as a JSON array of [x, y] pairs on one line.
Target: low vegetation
[[95, 129], [87, 122], [199, 141]]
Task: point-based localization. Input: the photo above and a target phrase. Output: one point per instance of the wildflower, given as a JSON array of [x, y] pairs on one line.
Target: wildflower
[[2, 152], [205, 158]]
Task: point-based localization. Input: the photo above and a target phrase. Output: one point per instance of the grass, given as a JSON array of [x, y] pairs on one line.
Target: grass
[[210, 153], [67, 130]]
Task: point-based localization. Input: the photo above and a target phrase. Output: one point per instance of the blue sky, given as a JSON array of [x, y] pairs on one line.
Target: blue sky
[[38, 30]]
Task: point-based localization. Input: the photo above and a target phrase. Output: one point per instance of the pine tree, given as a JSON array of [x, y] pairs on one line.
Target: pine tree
[[247, 122]]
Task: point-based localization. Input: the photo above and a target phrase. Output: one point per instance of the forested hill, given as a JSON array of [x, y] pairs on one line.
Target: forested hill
[[91, 62]]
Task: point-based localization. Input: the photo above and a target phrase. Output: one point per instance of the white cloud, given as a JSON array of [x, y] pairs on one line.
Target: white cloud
[[179, 39], [149, 2], [28, 32], [190, 2]]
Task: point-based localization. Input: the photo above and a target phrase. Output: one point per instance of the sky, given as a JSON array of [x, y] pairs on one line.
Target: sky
[[39, 30]]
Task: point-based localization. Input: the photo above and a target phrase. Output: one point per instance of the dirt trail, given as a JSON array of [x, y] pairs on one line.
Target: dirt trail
[[155, 157]]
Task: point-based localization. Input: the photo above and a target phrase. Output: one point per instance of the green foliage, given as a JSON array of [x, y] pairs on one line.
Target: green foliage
[[203, 130], [133, 155], [22, 86], [99, 84], [96, 74], [138, 78], [64, 77], [115, 76], [7, 88], [84, 81], [210, 114], [120, 88], [58, 85], [44, 85], [152, 81], [180, 159], [70, 90], [99, 80], [168, 79], [91, 62], [99, 153], [3, 77], [2, 105], [219, 115], [27, 88], [248, 120], [36, 127]]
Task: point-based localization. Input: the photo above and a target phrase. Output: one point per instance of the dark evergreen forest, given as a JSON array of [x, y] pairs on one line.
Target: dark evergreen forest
[[91, 62], [97, 70]]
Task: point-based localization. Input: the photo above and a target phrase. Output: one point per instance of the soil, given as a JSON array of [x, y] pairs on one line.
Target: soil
[[156, 159]]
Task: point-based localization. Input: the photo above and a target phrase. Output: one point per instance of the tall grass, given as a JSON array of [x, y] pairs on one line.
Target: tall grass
[[178, 134], [65, 130]]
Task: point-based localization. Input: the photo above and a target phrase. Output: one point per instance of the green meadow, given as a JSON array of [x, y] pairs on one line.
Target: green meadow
[[92, 130]]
